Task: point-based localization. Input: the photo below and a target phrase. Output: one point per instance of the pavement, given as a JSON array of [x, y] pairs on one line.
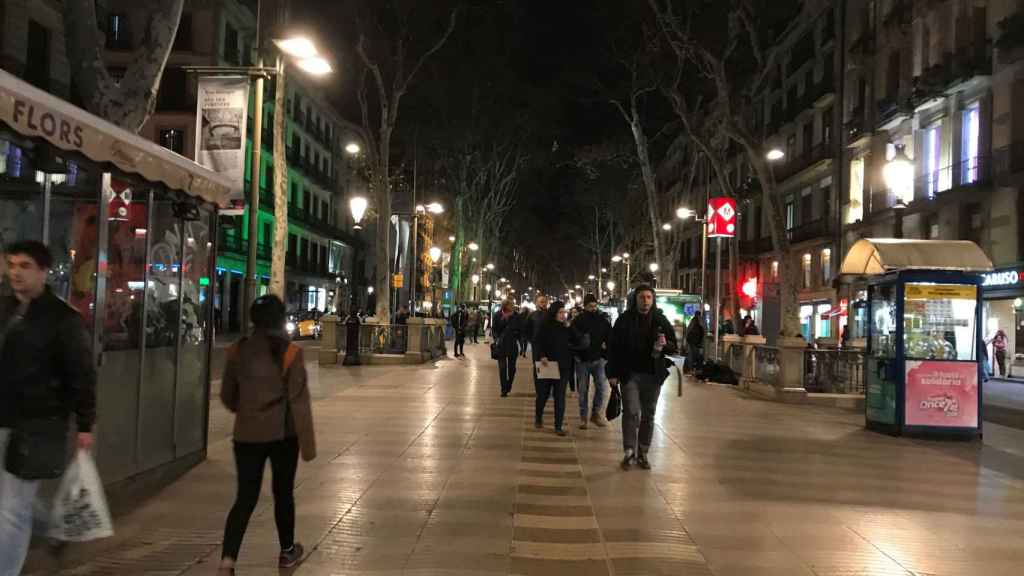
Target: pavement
[[425, 470]]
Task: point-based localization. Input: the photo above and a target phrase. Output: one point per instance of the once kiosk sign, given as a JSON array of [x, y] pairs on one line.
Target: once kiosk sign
[[1002, 279]]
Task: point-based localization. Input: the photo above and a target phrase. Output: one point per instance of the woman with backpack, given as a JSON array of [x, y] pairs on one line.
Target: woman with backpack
[[264, 384]]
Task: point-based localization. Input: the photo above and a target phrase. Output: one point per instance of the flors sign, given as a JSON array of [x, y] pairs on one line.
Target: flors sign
[[1000, 279], [721, 219], [47, 123]]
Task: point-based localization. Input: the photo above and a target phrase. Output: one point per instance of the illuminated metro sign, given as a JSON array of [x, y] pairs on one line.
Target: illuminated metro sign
[[1002, 279]]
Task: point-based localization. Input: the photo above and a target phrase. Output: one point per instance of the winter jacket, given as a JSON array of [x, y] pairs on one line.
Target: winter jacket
[[506, 332], [599, 329], [695, 334], [459, 321], [552, 342], [254, 387], [48, 370], [631, 345], [534, 324]]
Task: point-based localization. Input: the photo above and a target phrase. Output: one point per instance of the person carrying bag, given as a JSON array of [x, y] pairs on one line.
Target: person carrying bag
[[265, 385]]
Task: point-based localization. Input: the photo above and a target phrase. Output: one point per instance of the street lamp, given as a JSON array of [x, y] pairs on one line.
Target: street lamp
[[591, 277], [353, 149], [899, 177], [610, 285], [666, 227], [775, 154], [358, 206], [451, 238], [684, 213], [473, 246], [653, 267], [616, 258]]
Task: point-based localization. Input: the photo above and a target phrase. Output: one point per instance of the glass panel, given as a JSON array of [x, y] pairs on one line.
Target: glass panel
[[938, 321], [156, 441], [969, 146], [883, 320], [21, 196], [824, 329], [121, 337], [195, 334], [806, 314]]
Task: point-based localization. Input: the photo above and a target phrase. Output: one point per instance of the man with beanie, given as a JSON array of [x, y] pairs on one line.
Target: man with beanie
[[592, 331], [641, 338]]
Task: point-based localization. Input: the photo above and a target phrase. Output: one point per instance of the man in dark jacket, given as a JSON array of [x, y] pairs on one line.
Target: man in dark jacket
[[695, 342], [505, 330], [535, 322], [640, 340], [459, 321], [48, 374], [592, 329]]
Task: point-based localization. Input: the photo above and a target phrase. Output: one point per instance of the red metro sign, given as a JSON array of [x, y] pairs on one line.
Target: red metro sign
[[721, 219]]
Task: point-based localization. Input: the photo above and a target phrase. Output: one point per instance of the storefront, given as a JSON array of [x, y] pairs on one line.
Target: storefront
[[132, 228], [1003, 309]]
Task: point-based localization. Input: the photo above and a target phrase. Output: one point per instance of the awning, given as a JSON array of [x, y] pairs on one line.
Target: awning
[[872, 256], [840, 310], [35, 113]]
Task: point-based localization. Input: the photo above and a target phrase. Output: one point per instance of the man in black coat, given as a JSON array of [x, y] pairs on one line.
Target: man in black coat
[[592, 330], [535, 321], [641, 338], [48, 375], [459, 321], [506, 330]]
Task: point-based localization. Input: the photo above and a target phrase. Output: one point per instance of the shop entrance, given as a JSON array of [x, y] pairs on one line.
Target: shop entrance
[[1007, 315]]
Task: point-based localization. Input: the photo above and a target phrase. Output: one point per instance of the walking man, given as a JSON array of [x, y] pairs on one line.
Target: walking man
[[534, 323], [592, 330], [459, 321], [640, 339], [48, 374]]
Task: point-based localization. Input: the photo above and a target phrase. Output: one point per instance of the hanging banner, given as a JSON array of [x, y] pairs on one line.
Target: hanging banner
[[221, 124], [721, 220]]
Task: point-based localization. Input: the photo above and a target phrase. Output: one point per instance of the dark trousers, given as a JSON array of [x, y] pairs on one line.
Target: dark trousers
[[639, 403], [474, 334], [1001, 361], [460, 343], [506, 373], [250, 460], [545, 387]]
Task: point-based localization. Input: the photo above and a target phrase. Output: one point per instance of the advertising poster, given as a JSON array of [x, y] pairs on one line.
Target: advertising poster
[[221, 124], [942, 393]]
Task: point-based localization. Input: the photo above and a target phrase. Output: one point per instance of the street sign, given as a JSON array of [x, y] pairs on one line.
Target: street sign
[[721, 219], [397, 281]]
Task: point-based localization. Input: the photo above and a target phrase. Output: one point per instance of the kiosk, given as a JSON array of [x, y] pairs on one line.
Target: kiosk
[[924, 336]]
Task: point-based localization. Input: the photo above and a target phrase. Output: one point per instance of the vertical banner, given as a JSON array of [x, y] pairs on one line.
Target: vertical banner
[[221, 124]]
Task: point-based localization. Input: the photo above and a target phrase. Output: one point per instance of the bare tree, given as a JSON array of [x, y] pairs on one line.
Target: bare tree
[[385, 51], [130, 101], [718, 58]]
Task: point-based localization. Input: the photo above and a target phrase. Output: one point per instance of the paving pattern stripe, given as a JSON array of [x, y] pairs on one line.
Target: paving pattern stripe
[[523, 566], [548, 500], [552, 490], [556, 535], [555, 522], [556, 551], [532, 466], [688, 552]]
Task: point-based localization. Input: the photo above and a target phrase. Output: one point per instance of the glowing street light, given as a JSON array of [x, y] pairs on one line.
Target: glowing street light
[[435, 254], [666, 227], [684, 213], [775, 154], [353, 149], [451, 238], [357, 205], [474, 246], [476, 278], [899, 173], [487, 287], [610, 285], [298, 47], [591, 277], [433, 208], [490, 267], [653, 266], [616, 258]]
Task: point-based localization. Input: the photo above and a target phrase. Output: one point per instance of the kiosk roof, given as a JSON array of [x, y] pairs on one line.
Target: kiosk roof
[[38, 114], [872, 256]]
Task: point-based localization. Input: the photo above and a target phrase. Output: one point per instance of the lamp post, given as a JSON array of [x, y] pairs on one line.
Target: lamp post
[[435, 257], [357, 206], [432, 208], [683, 214], [899, 177]]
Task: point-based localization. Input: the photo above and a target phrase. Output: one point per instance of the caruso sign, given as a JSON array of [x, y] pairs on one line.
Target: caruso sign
[[1002, 279]]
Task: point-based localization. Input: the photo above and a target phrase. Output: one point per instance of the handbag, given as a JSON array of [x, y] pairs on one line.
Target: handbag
[[38, 449], [614, 408]]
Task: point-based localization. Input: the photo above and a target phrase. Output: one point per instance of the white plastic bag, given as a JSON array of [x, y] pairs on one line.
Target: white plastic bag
[[80, 511]]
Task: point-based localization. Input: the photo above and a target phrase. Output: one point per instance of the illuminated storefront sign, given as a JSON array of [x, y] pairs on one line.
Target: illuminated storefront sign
[[1001, 279]]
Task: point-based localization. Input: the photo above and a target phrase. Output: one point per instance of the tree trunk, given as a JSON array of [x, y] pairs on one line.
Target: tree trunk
[[382, 191], [129, 102], [650, 187], [280, 246]]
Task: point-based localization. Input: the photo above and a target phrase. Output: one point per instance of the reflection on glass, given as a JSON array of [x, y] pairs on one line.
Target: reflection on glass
[[938, 321], [21, 196], [883, 320], [195, 331]]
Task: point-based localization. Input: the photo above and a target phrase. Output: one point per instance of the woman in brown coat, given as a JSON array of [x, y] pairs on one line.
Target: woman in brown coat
[[264, 384]]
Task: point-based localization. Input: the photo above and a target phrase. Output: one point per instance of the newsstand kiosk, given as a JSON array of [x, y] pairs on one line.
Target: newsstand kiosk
[[924, 352]]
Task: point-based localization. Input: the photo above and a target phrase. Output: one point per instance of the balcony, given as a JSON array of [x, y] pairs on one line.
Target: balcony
[[891, 113], [800, 163], [819, 228], [234, 244], [968, 173], [1008, 162]]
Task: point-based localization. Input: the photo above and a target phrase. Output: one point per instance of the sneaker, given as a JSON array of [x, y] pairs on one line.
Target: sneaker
[[291, 557], [627, 462], [561, 432], [641, 461], [599, 421], [583, 425]]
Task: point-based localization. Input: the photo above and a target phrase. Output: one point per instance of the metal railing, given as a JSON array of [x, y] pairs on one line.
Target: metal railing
[[767, 364], [834, 371], [383, 338], [734, 356]]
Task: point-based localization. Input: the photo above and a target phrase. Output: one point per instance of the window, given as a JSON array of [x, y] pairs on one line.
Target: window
[[938, 321], [932, 155], [117, 32], [791, 147], [807, 277], [775, 270], [806, 206], [826, 266], [826, 127], [173, 139], [808, 137], [855, 209], [37, 57], [231, 44], [183, 39], [174, 94], [969, 147], [790, 213]]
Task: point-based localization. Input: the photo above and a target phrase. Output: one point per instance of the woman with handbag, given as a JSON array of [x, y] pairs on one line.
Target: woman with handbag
[[264, 384], [506, 331]]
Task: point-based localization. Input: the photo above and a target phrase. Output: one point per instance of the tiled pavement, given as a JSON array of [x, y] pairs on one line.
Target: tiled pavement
[[425, 470]]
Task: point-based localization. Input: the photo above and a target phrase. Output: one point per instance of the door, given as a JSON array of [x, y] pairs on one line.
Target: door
[[881, 371]]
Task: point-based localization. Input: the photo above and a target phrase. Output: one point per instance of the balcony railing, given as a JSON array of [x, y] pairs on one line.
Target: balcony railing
[[800, 163], [234, 244], [1008, 161], [964, 174], [810, 230]]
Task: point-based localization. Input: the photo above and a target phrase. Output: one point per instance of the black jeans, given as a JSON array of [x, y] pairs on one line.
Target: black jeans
[[250, 459], [639, 404], [545, 387], [506, 373], [460, 343]]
